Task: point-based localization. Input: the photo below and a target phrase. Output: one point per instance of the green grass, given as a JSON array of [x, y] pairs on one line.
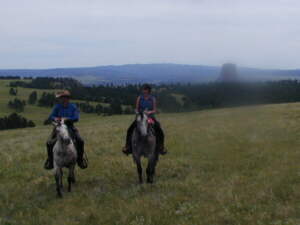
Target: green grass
[[227, 166]]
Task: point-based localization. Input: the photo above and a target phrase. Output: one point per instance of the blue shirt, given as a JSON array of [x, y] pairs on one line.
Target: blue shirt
[[146, 104], [70, 112]]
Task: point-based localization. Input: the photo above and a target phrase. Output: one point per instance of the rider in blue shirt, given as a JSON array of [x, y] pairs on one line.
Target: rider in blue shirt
[[146, 102], [68, 111]]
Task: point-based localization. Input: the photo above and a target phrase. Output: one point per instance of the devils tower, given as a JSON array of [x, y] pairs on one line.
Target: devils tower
[[228, 73]]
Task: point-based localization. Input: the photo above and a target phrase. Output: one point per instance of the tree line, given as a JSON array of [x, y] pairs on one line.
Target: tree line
[[15, 121], [218, 94], [47, 83], [113, 108], [173, 97], [10, 77], [17, 105], [115, 96]]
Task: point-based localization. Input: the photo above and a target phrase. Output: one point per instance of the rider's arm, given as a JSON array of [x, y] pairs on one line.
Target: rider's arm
[[154, 107], [54, 113], [137, 104]]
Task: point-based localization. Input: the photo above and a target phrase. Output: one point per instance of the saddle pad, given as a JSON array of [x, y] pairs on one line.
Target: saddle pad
[[151, 121]]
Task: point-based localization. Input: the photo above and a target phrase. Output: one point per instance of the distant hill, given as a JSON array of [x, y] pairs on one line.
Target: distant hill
[[154, 73]]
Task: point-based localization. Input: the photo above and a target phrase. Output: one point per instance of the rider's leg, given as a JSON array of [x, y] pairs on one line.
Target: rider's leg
[[160, 137], [82, 163], [127, 149], [50, 144]]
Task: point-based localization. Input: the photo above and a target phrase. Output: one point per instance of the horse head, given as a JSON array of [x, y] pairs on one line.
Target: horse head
[[62, 131], [143, 125]]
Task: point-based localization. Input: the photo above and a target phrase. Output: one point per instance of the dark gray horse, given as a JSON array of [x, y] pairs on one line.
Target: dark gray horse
[[144, 144], [65, 155]]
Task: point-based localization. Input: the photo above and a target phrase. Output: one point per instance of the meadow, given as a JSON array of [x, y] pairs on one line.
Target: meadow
[[234, 166]]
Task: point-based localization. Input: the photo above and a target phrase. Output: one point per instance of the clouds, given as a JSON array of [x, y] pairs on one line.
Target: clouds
[[58, 33]]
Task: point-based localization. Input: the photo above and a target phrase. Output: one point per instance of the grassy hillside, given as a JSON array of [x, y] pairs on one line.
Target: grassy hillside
[[38, 114], [229, 166], [32, 112]]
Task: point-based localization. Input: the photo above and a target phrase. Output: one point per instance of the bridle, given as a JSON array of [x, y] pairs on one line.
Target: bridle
[[150, 124], [59, 124]]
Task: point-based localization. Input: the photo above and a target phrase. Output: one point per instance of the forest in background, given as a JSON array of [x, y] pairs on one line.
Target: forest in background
[[119, 99]]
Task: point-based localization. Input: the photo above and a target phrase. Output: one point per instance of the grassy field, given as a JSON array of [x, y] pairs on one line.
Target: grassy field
[[228, 166]]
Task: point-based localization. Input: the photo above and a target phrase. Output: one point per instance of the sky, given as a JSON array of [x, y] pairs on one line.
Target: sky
[[76, 33]]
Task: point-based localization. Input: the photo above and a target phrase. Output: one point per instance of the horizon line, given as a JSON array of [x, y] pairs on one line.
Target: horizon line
[[167, 63]]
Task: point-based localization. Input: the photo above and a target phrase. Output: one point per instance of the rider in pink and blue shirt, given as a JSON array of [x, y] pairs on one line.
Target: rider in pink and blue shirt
[[146, 103]]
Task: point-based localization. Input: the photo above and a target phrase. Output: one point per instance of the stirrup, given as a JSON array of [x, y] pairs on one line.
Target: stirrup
[[48, 165], [163, 151], [83, 163], [126, 151]]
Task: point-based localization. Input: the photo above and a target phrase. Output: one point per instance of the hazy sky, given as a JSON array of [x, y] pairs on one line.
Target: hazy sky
[[74, 33]]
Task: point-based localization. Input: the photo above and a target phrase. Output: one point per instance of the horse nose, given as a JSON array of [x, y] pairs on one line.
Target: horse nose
[[144, 134]]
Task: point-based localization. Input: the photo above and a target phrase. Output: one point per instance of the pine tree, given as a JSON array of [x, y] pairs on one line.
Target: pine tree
[[14, 121], [13, 91], [17, 104], [32, 98]]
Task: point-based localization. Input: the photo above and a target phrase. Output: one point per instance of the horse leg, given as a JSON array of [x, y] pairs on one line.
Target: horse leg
[[151, 169], [71, 178], [69, 181], [61, 179], [139, 170], [58, 176]]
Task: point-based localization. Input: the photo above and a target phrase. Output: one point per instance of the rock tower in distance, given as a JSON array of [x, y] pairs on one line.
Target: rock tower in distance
[[228, 73]]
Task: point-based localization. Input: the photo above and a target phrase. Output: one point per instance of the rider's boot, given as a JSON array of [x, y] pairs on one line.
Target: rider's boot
[[160, 138], [126, 150], [49, 162], [81, 160], [161, 146], [163, 150]]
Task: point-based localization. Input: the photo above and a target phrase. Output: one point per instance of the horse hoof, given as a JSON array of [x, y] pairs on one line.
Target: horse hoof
[[150, 181], [59, 195]]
